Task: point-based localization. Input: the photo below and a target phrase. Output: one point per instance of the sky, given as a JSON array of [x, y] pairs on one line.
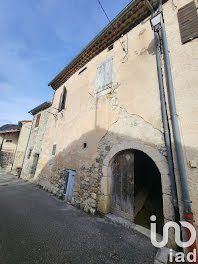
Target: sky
[[38, 38]]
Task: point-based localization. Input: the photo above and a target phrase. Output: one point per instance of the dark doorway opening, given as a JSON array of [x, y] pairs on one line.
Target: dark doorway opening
[[35, 163], [122, 184], [147, 191]]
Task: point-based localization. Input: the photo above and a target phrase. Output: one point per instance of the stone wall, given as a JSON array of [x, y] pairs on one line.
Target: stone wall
[[125, 114], [35, 143], [6, 161], [21, 146]]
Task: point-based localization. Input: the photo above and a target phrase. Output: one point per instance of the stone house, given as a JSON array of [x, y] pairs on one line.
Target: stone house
[[8, 145], [106, 137], [34, 144], [24, 127]]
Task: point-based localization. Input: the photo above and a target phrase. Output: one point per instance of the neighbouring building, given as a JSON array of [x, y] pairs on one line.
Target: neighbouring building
[[8, 145], [24, 127], [104, 145], [34, 145]]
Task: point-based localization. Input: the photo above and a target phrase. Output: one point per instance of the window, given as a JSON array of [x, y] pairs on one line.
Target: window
[[188, 22], [9, 140], [54, 150], [104, 76], [29, 154], [37, 120], [62, 100]]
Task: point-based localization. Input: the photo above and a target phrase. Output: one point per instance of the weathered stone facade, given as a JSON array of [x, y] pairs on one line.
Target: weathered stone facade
[[94, 127], [34, 145], [6, 161], [8, 142], [25, 127]]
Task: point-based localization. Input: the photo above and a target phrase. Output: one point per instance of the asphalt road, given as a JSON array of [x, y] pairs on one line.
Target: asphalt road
[[35, 227]]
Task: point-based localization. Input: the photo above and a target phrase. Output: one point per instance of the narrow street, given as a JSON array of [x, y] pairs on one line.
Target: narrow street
[[36, 227]]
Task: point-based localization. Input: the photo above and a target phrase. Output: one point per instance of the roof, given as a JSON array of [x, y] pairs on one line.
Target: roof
[[128, 18], [10, 131], [40, 107]]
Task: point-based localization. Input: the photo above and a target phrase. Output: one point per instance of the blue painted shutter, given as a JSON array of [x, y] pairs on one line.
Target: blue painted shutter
[[104, 76], [108, 73], [100, 78]]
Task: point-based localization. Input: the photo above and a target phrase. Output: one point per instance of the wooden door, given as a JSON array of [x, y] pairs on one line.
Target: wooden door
[[122, 185]]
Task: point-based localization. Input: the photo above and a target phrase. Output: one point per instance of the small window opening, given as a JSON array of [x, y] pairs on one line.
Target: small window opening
[[62, 100], [37, 120], [110, 47], [82, 70], [9, 140], [29, 154], [84, 145], [54, 150]]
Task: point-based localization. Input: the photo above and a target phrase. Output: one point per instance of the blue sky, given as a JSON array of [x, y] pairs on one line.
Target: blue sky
[[38, 38]]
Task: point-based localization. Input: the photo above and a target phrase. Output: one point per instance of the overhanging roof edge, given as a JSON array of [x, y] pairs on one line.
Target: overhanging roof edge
[[131, 4]]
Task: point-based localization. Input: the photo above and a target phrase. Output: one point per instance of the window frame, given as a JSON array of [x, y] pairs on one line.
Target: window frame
[[104, 76], [38, 117], [62, 100]]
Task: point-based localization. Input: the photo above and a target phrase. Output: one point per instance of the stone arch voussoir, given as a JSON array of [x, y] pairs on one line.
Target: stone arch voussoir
[[158, 158]]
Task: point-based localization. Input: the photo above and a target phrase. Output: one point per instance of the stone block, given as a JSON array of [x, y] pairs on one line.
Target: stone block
[[80, 192], [168, 207], [86, 209], [92, 211], [166, 184], [153, 153], [105, 185], [94, 196], [105, 171], [104, 203], [163, 167], [92, 203]]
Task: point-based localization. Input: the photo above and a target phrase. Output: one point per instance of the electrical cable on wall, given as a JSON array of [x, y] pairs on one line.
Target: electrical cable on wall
[[111, 25]]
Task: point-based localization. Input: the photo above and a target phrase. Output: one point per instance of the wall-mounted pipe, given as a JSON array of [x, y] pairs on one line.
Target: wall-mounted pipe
[[175, 124], [188, 215], [165, 123], [167, 137]]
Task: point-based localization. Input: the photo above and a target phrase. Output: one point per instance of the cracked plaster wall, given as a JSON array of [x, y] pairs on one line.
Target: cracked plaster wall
[[127, 112]]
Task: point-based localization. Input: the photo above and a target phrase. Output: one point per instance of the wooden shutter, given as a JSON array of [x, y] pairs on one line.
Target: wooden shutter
[[108, 73], [60, 102], [37, 120], [100, 78], [104, 75], [188, 22]]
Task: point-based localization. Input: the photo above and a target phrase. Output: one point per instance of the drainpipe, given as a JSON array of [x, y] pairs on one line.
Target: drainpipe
[[166, 125], [188, 215], [175, 124], [165, 118]]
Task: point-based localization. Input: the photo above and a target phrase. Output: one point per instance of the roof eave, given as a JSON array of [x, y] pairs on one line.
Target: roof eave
[[96, 38], [56, 83]]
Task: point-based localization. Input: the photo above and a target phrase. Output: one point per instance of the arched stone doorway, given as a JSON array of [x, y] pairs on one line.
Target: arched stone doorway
[[160, 166]]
